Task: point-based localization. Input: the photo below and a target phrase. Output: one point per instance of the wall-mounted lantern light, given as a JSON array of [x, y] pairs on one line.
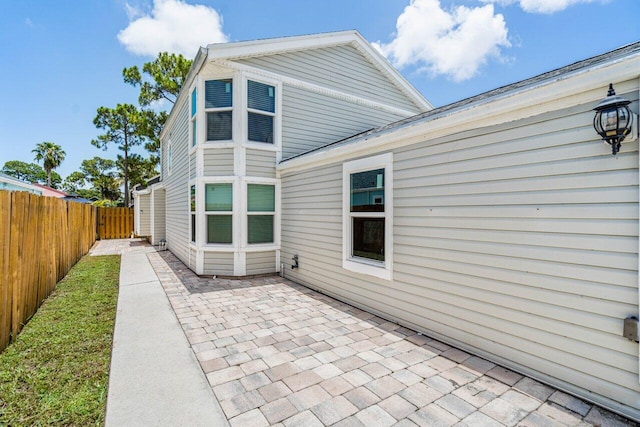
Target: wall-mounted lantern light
[[613, 119]]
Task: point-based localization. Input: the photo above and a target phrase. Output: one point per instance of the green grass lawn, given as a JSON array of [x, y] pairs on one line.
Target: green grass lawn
[[57, 371]]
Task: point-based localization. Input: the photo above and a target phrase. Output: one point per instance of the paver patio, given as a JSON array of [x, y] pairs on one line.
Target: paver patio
[[277, 353]]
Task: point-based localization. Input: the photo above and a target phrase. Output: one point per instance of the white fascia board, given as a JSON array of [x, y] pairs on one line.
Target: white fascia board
[[548, 95], [230, 51], [385, 67], [312, 87], [279, 45]]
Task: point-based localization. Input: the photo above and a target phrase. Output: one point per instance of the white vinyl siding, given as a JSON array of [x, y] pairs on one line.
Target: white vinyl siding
[[218, 263], [340, 68], [177, 197], [517, 242], [311, 120], [261, 262], [261, 163], [218, 161]]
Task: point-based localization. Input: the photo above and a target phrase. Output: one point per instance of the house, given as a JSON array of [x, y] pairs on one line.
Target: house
[[10, 183], [51, 192], [246, 106], [500, 224]]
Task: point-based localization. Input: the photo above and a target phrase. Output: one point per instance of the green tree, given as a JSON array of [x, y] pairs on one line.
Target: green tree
[[140, 169], [101, 174], [30, 172], [51, 155], [167, 74], [160, 80], [74, 182]]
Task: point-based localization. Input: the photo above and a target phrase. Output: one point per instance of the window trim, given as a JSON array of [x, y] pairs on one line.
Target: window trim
[[207, 214], [262, 213], [382, 270], [252, 247], [277, 115], [206, 110]]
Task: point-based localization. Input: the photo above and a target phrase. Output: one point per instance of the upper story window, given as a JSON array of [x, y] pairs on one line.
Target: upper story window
[[368, 217], [194, 123], [218, 105], [261, 111]]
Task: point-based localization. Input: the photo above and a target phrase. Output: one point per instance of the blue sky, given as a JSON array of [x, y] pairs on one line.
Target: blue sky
[[62, 60]]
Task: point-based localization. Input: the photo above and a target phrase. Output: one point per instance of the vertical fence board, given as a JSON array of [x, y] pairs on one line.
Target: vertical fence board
[[115, 223], [41, 238], [5, 290]]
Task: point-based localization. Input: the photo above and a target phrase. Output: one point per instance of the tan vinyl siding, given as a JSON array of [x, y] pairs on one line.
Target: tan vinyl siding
[[261, 163], [311, 120], [218, 263], [158, 229], [176, 185], [261, 262], [341, 68], [517, 242], [218, 161]]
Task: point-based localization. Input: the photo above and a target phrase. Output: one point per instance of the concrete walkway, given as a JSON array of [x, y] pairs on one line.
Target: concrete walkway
[[277, 353], [155, 379]]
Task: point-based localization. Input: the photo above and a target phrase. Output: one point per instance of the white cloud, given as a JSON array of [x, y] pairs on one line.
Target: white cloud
[[539, 6], [28, 22], [172, 26], [455, 43]]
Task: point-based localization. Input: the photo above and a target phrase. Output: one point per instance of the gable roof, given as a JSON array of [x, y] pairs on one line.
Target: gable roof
[[262, 47], [272, 46], [501, 93]]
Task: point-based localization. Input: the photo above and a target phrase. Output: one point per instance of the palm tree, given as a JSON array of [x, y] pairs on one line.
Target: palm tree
[[51, 156]]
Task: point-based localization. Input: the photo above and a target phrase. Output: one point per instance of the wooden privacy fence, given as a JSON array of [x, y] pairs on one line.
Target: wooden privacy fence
[[41, 238], [115, 223]]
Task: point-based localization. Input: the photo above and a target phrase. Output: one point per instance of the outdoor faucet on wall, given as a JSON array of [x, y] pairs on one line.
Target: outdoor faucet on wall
[[295, 262]]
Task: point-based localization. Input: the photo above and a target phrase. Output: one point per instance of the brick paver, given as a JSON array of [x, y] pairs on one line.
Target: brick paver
[[277, 353]]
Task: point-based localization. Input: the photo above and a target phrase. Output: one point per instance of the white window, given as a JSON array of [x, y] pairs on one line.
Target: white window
[[261, 112], [218, 107], [194, 122], [261, 207], [219, 212], [368, 216]]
